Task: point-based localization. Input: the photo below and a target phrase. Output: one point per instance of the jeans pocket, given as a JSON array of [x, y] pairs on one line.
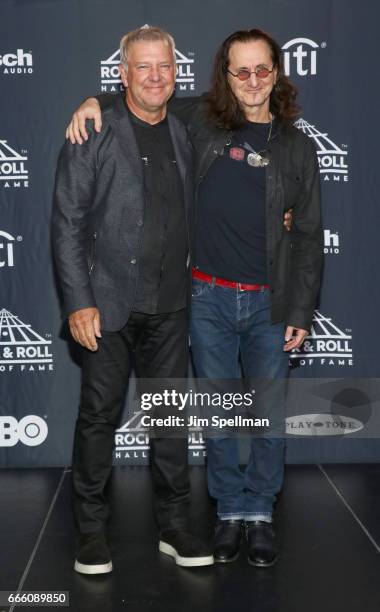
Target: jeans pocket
[[198, 288]]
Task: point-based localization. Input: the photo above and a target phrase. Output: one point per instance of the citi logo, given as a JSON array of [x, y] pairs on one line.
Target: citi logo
[[322, 425], [21, 347], [325, 345], [332, 159], [331, 242], [7, 249], [301, 53], [31, 430], [110, 72], [20, 62], [13, 171]]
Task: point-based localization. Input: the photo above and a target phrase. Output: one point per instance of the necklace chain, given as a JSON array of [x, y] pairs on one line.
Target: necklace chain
[[259, 159]]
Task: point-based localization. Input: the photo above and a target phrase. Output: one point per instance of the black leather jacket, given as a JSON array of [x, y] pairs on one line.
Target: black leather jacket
[[295, 258]]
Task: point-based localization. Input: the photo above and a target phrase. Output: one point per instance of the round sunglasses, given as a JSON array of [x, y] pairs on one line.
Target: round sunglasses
[[243, 75]]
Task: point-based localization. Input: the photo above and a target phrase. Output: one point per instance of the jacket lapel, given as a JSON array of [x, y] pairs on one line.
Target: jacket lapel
[[128, 145], [126, 138], [179, 145]]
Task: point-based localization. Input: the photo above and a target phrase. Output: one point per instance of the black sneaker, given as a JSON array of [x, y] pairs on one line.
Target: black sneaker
[[261, 543], [93, 555], [186, 549]]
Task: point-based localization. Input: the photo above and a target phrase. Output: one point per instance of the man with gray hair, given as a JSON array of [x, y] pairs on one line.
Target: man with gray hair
[[121, 234]]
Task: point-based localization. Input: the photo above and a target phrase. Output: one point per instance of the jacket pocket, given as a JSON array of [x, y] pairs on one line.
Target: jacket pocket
[[198, 287]]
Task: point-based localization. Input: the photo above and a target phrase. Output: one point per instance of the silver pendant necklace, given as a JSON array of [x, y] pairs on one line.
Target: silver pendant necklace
[[259, 159]]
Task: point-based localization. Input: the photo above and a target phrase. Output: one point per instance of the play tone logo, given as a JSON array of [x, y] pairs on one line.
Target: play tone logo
[[20, 62], [132, 441], [332, 159], [331, 242], [7, 249], [31, 430], [13, 172], [110, 73], [21, 348], [322, 425], [300, 54], [326, 345]]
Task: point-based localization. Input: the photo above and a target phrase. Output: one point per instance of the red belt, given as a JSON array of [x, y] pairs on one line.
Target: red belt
[[225, 283]]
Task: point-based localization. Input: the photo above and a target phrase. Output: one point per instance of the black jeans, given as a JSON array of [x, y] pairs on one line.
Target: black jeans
[[160, 345]]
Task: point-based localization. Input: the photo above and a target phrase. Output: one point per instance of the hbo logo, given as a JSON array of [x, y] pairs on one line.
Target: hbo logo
[[30, 430]]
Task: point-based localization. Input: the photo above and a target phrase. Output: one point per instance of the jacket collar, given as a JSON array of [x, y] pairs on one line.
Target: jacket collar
[[127, 141]]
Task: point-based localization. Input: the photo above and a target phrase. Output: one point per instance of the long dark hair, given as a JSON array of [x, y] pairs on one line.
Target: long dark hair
[[224, 109]]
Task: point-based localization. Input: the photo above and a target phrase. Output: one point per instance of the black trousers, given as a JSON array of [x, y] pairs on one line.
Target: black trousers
[[160, 345]]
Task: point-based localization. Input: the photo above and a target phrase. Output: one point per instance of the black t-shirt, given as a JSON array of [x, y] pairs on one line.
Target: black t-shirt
[[230, 238], [162, 284]]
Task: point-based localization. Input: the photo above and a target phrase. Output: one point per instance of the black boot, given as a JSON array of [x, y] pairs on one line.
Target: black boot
[[227, 540], [261, 543]]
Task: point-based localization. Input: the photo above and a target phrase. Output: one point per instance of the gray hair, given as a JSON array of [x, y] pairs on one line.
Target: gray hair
[[147, 34]]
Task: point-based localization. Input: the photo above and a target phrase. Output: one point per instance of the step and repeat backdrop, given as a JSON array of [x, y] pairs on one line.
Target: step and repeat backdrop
[[55, 53]]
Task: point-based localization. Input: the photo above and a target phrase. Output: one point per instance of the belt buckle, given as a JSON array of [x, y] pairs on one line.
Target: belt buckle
[[239, 287]]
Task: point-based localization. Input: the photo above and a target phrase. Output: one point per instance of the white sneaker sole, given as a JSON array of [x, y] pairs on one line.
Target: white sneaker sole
[[83, 568], [184, 561]]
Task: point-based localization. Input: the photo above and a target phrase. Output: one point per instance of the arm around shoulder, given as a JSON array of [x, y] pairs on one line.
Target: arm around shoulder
[[91, 109]]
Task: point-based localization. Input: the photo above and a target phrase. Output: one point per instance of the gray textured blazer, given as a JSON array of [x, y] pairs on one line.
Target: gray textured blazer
[[98, 215]]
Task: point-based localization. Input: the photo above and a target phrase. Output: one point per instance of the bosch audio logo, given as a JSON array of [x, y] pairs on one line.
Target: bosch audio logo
[[19, 62], [331, 242]]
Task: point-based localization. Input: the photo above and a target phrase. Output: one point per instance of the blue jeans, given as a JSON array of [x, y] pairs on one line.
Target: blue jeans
[[227, 324]]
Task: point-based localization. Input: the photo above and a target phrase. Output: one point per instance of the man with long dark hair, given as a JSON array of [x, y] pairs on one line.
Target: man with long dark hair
[[254, 284]]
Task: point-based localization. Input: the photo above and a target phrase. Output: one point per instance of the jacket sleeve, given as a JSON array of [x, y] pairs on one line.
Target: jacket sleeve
[[73, 196], [184, 108], [306, 260], [106, 100]]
